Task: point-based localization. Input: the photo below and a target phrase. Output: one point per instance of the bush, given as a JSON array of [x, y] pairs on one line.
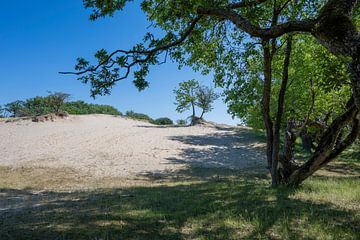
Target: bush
[[163, 121], [138, 116], [15, 109], [54, 103], [81, 107], [181, 122]]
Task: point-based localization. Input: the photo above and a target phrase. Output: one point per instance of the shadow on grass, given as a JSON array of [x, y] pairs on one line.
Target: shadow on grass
[[224, 209]]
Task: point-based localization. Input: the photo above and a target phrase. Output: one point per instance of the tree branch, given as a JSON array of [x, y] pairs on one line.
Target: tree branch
[[149, 53], [245, 3], [255, 31]]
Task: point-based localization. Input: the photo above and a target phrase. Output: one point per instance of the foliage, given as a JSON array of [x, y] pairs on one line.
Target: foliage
[[205, 96], [191, 94], [56, 100], [138, 116], [81, 107], [162, 121], [15, 109], [53, 103], [2, 112], [181, 122], [309, 61], [185, 95]]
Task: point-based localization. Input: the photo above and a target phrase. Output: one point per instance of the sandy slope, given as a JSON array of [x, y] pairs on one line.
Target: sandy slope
[[107, 146]]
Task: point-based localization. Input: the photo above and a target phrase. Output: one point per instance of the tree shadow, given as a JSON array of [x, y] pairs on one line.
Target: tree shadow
[[228, 209], [223, 153], [342, 168], [162, 126]]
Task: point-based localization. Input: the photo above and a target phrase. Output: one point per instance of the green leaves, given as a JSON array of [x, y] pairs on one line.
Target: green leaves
[[102, 8], [191, 94], [185, 95]]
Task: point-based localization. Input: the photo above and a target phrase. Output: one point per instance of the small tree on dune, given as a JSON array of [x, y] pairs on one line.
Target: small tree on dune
[[190, 95], [205, 96], [186, 97]]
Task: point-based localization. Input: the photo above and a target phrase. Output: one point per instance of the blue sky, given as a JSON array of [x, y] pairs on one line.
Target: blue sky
[[39, 38]]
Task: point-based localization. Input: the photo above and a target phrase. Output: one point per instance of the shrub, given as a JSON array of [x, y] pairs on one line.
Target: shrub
[[163, 121], [138, 116], [37, 105], [81, 107], [15, 109], [181, 122], [54, 103]]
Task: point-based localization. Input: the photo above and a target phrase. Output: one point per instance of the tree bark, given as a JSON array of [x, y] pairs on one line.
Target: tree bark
[[193, 114], [279, 115], [265, 101]]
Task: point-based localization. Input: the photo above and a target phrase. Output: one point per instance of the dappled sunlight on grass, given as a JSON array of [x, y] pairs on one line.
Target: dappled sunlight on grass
[[225, 208]]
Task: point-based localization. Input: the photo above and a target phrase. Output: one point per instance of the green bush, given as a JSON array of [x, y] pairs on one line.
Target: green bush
[[138, 116], [53, 103], [15, 109], [181, 122], [81, 107], [162, 121]]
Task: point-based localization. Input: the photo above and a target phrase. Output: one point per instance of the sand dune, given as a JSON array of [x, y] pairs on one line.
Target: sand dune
[[108, 146]]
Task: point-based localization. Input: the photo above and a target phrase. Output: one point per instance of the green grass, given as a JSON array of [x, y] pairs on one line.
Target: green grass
[[232, 205]]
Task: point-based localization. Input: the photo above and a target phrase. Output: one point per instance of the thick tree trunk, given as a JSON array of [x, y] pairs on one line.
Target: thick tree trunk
[[337, 32]]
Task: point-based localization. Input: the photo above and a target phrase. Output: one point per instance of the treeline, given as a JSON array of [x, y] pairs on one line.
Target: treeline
[[58, 103], [54, 103]]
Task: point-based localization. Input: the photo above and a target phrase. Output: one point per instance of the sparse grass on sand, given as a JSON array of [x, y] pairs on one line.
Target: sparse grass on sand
[[207, 204]]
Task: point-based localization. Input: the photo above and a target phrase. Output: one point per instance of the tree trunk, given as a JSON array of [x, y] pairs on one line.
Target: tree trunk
[[330, 145], [279, 115], [193, 117], [265, 102], [202, 114]]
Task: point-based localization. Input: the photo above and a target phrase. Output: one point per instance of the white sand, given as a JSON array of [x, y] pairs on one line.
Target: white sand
[[107, 146]]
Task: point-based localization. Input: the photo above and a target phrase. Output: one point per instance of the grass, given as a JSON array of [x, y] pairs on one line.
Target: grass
[[213, 204]]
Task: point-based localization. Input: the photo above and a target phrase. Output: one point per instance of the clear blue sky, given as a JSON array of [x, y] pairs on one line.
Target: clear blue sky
[[39, 38]]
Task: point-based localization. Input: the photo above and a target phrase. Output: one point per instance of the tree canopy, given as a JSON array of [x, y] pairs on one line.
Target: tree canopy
[[190, 94]]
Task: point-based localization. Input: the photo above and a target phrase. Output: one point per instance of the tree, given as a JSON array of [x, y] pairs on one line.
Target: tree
[[2, 112], [16, 108], [186, 97], [56, 100], [205, 96], [207, 35]]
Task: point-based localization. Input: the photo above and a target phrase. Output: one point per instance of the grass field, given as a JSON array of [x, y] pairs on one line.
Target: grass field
[[211, 204]]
